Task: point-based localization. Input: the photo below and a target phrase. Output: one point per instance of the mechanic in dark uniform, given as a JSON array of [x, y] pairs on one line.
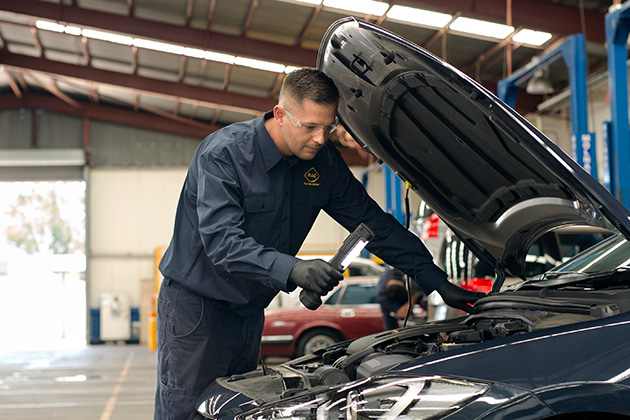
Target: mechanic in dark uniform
[[391, 294], [251, 195]]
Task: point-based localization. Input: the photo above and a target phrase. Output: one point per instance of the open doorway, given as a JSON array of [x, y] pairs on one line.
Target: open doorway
[[42, 265]]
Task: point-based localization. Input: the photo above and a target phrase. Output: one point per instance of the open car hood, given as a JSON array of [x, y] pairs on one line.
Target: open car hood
[[497, 181]]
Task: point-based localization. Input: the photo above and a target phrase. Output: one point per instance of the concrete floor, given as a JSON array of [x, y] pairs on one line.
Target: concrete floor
[[102, 382]]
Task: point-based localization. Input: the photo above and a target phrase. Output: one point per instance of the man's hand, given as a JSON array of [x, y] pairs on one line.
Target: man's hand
[[315, 275], [401, 313], [457, 297]]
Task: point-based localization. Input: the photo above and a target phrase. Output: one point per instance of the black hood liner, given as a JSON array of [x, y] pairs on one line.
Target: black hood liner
[[488, 173], [417, 111]]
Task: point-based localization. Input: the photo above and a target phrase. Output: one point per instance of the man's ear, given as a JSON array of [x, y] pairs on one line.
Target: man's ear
[[279, 115]]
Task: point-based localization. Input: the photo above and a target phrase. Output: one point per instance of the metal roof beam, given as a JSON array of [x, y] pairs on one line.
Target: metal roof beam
[[132, 81], [107, 114]]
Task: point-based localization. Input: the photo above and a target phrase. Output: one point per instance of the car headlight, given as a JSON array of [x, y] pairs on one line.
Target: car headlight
[[382, 397]]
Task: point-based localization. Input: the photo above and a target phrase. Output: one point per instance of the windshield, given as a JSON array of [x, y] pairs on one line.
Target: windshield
[[609, 255]]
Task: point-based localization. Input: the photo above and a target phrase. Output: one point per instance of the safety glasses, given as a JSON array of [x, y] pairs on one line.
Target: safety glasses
[[312, 129]]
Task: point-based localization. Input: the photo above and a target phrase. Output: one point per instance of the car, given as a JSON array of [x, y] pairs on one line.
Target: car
[[551, 346], [349, 311]]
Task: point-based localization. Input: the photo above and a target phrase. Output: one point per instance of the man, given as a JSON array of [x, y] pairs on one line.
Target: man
[[391, 294], [251, 195]]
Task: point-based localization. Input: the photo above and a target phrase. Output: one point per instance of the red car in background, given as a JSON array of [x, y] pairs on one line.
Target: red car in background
[[349, 311]]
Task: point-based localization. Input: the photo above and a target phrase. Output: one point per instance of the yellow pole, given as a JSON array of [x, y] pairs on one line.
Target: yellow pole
[[152, 339]]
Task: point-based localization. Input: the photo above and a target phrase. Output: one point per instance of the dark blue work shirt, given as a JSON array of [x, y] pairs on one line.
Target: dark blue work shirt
[[245, 210]]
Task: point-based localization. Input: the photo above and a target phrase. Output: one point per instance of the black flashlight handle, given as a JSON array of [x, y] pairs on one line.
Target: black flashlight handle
[[312, 300]]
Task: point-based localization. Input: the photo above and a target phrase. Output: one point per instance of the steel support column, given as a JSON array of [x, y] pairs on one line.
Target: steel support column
[[617, 29], [393, 194]]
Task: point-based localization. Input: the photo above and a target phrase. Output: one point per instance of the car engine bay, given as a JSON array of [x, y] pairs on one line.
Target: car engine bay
[[506, 314]]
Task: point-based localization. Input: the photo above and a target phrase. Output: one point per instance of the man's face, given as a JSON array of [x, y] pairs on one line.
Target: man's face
[[305, 127]]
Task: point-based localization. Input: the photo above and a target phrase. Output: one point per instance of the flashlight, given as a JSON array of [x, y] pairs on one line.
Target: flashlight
[[349, 250]]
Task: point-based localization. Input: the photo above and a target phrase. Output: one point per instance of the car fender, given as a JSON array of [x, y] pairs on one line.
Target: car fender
[[602, 397]]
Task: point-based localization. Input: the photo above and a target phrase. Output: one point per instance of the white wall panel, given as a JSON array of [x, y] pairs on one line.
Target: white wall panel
[[118, 274], [131, 214]]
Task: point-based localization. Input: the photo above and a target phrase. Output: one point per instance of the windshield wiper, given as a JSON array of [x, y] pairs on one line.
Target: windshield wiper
[[575, 278]]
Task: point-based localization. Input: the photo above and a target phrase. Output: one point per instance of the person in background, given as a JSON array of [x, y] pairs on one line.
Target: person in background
[[391, 294]]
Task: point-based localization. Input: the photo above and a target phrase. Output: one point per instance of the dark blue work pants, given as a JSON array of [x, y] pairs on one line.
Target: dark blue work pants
[[199, 340]]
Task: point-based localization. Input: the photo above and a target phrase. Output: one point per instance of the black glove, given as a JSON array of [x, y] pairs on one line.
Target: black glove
[[315, 275], [457, 297]]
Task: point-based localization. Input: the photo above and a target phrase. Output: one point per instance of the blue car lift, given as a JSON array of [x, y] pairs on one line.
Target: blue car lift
[[617, 29], [393, 194], [573, 51], [393, 191]]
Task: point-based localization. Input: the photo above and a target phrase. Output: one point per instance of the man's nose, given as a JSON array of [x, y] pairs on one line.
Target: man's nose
[[320, 138]]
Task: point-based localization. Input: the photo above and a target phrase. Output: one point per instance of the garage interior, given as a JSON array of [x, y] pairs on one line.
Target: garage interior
[[103, 103]]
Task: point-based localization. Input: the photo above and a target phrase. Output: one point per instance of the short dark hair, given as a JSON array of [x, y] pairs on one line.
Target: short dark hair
[[309, 83]]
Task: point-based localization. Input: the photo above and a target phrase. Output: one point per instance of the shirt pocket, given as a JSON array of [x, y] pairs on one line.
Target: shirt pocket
[[259, 203]]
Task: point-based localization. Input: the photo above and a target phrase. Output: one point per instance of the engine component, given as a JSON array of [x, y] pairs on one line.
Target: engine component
[[328, 375], [378, 363]]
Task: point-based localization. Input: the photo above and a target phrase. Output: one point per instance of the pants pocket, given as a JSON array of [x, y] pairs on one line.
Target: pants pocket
[[187, 315]]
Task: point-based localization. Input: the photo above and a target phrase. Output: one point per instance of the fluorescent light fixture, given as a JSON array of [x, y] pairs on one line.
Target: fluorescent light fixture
[[73, 30], [221, 58], [419, 16], [481, 27], [289, 69], [158, 46], [165, 47], [194, 52], [42, 157], [314, 2], [368, 7], [106, 36], [49, 26], [259, 64], [528, 36]]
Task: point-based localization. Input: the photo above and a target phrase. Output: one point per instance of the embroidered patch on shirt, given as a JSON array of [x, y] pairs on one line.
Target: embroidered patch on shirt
[[311, 177]]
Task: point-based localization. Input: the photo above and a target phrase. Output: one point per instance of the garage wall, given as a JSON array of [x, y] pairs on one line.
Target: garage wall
[[131, 213]]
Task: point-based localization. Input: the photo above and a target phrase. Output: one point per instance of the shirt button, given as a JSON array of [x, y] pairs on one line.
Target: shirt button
[[284, 219]]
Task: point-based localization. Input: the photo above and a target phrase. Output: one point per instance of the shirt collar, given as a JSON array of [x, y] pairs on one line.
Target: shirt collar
[[270, 152]]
